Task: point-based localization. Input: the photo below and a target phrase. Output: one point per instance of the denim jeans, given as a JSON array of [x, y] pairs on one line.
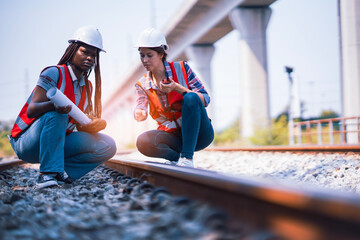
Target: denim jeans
[[45, 142], [196, 134]]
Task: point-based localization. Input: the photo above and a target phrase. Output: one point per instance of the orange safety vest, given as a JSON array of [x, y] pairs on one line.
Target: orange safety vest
[[65, 85], [168, 119]]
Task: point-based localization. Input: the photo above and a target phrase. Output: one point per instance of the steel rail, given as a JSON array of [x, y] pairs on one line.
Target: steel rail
[[10, 163], [290, 211], [300, 148]]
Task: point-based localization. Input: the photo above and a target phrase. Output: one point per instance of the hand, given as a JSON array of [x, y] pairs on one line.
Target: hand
[[167, 85], [63, 110], [96, 125], [140, 114]]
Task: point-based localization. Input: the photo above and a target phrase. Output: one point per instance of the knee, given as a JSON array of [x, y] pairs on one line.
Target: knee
[[111, 147], [191, 99], [142, 142], [53, 117], [105, 148]]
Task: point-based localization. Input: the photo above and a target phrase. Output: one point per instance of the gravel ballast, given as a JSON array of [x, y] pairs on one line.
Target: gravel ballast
[[336, 171], [95, 207]]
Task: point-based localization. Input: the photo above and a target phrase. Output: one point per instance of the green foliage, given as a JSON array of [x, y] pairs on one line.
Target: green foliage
[[5, 146], [328, 114], [282, 115], [229, 136], [276, 134]]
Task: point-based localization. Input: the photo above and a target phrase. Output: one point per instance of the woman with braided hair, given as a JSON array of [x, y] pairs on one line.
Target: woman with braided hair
[[44, 132]]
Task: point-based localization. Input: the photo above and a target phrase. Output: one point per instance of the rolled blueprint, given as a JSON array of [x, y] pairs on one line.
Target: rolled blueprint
[[58, 98]]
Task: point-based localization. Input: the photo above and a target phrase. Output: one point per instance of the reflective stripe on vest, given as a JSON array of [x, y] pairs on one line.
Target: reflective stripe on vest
[[65, 85], [168, 119]]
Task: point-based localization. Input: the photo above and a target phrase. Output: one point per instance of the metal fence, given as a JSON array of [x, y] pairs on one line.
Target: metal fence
[[328, 131]]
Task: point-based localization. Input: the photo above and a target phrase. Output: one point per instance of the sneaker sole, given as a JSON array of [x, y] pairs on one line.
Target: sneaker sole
[[47, 184], [167, 162], [185, 165], [63, 183]]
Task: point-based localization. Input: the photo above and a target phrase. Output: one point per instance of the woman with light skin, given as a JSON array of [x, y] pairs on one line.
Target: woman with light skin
[[44, 132], [176, 99]]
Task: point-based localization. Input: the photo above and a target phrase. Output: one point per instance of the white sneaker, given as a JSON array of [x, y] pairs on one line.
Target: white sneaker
[[183, 162], [168, 162]]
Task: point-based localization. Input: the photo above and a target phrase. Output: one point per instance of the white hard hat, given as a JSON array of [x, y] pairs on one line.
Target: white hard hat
[[89, 35], [152, 38]]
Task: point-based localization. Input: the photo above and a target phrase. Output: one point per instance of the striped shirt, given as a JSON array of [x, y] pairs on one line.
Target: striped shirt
[[195, 85]]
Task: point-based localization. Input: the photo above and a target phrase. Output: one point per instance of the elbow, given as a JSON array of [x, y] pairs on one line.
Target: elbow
[[30, 113]]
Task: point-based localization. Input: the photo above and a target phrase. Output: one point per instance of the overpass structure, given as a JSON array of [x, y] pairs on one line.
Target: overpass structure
[[191, 35]]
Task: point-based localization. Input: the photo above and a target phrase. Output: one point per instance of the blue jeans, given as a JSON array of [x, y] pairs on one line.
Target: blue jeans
[[196, 133], [45, 142]]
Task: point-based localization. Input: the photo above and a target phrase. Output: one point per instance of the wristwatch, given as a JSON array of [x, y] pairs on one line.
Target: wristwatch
[[184, 93]]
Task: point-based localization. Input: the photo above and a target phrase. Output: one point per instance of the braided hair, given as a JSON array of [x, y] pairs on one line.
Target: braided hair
[[67, 57]]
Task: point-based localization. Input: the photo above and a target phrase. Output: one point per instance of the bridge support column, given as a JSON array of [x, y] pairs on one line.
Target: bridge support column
[[201, 55], [252, 24], [350, 63]]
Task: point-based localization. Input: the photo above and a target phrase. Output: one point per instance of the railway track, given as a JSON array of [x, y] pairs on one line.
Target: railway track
[[295, 148], [9, 164], [288, 211]]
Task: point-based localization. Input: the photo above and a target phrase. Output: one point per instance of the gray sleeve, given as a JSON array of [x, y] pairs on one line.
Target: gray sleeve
[[49, 78]]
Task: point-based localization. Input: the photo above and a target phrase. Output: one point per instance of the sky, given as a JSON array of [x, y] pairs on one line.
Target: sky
[[301, 34]]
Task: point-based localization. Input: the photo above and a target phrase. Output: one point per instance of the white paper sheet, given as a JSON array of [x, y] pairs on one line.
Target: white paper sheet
[[58, 98]]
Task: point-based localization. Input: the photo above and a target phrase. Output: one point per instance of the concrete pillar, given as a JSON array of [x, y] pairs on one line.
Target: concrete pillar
[[201, 55], [350, 51], [252, 24], [350, 62]]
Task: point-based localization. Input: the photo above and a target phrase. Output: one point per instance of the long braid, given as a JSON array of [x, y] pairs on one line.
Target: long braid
[[69, 53], [98, 106], [88, 93]]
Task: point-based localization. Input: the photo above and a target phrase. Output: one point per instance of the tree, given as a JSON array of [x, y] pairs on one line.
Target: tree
[[229, 135], [277, 134], [328, 114]]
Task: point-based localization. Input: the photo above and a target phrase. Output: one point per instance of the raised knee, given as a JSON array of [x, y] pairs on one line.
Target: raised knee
[[191, 99], [142, 142], [104, 147], [112, 147], [56, 118]]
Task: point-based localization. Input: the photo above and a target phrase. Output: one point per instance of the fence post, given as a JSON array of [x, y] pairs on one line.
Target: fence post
[[342, 137], [351, 130], [308, 130], [319, 137], [299, 133], [358, 131], [331, 132]]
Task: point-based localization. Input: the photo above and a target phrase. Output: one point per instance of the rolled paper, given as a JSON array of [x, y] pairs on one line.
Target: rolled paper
[[58, 98]]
